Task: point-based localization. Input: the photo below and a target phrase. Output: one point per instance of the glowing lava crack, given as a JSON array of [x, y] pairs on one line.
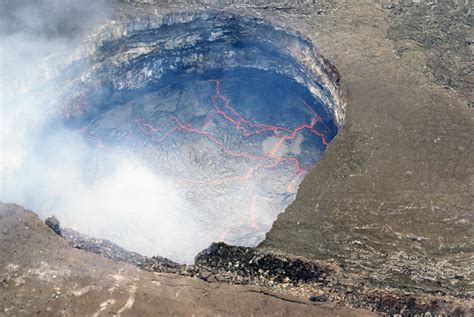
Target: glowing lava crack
[[257, 163]]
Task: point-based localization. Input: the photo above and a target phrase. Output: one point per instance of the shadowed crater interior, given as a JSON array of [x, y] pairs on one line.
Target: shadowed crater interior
[[228, 111]]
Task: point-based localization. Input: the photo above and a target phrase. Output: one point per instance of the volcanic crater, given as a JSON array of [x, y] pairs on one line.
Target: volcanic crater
[[230, 110]]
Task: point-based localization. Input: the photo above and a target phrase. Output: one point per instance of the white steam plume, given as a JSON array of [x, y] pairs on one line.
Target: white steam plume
[[53, 171]]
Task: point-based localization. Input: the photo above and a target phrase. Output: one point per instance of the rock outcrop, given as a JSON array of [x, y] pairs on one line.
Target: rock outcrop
[[317, 281], [42, 275]]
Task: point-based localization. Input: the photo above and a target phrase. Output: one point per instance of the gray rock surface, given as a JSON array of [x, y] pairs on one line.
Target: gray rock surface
[[42, 275], [318, 281], [444, 30], [393, 196]]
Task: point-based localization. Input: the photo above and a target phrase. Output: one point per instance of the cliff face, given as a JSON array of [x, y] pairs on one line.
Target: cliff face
[[197, 41]]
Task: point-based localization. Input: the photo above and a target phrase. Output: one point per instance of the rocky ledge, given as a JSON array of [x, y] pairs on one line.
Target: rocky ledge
[[42, 275], [316, 281]]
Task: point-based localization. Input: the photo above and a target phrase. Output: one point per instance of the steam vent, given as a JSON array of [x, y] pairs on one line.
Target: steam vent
[[306, 151]]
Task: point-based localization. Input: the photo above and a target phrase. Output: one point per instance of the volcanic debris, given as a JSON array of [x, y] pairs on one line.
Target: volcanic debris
[[317, 281], [53, 223]]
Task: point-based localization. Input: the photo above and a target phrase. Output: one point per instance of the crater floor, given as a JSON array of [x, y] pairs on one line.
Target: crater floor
[[236, 144]]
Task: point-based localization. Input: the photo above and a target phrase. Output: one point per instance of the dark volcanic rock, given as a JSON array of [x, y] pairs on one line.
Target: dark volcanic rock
[[241, 265], [318, 298], [114, 252], [53, 223], [249, 262]]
